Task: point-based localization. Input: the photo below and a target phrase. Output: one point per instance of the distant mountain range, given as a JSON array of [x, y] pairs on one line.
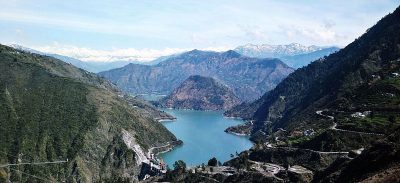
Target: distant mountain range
[[248, 77], [201, 93], [295, 55], [94, 67]]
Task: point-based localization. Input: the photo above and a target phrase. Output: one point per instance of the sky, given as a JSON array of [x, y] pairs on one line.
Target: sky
[[107, 30]]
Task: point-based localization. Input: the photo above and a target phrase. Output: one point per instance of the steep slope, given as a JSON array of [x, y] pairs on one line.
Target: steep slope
[[380, 163], [52, 111], [201, 93], [248, 77], [361, 77]]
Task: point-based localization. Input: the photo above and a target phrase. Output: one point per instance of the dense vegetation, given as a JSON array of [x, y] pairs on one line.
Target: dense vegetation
[[52, 111]]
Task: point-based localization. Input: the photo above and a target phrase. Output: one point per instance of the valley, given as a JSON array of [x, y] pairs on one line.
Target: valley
[[194, 91], [248, 77], [323, 119]]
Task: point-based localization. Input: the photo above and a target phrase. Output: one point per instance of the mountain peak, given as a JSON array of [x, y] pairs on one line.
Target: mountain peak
[[196, 77], [231, 54], [194, 51], [201, 93], [277, 51]]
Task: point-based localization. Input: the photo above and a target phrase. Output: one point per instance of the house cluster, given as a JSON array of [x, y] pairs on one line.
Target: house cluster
[[361, 114], [308, 132], [157, 163], [152, 167]]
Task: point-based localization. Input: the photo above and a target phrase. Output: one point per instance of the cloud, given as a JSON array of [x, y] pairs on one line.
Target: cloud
[[254, 32], [127, 54], [78, 23], [329, 24], [322, 34]]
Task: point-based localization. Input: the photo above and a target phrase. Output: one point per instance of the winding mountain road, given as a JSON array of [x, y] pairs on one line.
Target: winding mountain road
[[334, 126]]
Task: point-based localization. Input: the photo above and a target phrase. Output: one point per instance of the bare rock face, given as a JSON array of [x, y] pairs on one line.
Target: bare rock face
[[201, 93]]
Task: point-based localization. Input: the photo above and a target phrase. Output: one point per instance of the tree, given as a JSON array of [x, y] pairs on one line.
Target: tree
[[179, 165], [212, 162], [392, 119], [168, 168]]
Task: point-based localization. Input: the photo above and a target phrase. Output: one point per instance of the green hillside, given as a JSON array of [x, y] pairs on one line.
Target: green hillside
[[52, 111], [360, 78]]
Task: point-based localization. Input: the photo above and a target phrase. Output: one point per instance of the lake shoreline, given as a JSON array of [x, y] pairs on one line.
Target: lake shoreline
[[203, 135]]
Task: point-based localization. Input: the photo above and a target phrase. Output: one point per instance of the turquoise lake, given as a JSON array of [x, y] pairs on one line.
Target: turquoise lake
[[203, 136], [150, 97]]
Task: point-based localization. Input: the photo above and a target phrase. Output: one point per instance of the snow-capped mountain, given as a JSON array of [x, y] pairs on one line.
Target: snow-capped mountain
[[86, 65], [295, 55], [275, 51]]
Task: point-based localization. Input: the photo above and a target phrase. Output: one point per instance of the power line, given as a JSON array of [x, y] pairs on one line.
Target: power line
[[33, 163], [37, 177]]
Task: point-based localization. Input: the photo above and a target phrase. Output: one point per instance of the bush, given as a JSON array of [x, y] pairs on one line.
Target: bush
[[179, 165], [212, 162]]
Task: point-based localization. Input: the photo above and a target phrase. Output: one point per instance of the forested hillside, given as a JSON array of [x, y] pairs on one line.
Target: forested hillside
[[52, 111]]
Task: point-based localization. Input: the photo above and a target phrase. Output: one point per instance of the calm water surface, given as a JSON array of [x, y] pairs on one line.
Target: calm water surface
[[203, 136], [150, 97]]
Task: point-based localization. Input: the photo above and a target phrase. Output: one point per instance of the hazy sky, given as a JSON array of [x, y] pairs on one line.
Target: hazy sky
[[150, 28]]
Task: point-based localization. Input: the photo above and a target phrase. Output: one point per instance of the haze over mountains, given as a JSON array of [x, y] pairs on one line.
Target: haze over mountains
[[94, 67], [295, 55], [247, 77]]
